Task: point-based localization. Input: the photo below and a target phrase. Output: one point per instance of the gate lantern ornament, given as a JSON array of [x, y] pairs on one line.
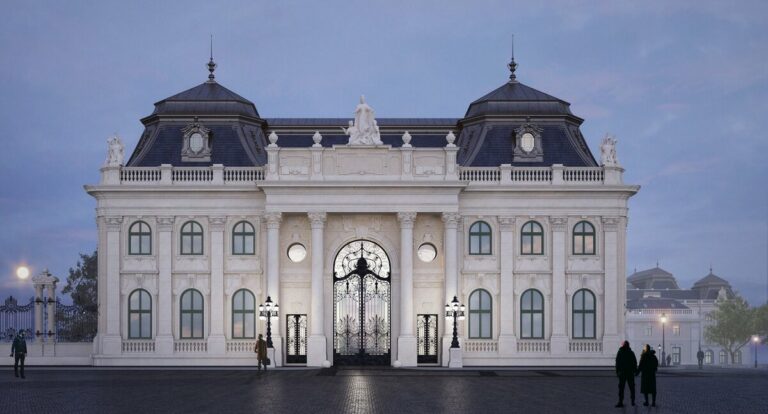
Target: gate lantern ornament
[[267, 311]]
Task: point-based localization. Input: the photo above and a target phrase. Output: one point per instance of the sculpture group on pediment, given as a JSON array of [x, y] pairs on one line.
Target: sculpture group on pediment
[[608, 151], [364, 130], [115, 152]]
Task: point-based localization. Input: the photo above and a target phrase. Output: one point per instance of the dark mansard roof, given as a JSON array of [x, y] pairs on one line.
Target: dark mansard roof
[[657, 287], [485, 135]]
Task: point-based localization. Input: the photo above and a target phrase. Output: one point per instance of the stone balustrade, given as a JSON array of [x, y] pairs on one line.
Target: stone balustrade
[[169, 175], [480, 346], [585, 346], [538, 346], [660, 311], [190, 346], [235, 346], [138, 346]]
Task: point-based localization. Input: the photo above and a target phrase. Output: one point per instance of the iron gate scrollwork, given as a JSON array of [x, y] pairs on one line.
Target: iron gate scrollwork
[[296, 339], [361, 305], [426, 339]]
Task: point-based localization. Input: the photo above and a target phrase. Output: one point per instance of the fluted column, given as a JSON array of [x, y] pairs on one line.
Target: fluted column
[[164, 338], [216, 339], [273, 220], [559, 338], [112, 340], [451, 256], [316, 349], [507, 338], [406, 343]]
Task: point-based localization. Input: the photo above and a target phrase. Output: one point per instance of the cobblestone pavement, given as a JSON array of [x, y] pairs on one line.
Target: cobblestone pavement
[[372, 391]]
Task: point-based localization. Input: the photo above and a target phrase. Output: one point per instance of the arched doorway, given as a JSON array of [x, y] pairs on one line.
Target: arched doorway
[[361, 305]]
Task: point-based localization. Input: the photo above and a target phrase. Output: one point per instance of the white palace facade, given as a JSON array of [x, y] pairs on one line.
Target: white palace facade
[[361, 229]]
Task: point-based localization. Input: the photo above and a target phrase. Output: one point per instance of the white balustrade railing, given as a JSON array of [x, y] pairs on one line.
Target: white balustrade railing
[[481, 346], [191, 174], [660, 311], [585, 346], [532, 346], [531, 175], [131, 346], [140, 174], [480, 174], [583, 174], [243, 174], [190, 346], [241, 346]]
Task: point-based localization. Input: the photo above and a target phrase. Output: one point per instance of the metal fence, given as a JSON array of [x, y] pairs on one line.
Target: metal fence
[[72, 323], [15, 317]]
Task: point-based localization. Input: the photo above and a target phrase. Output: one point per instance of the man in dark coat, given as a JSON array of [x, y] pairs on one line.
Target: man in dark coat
[[19, 351], [700, 357], [261, 352], [626, 366], [648, 366]]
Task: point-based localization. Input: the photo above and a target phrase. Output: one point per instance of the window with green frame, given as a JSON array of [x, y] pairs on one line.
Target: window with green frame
[[584, 238], [532, 315], [480, 315], [191, 314], [139, 315], [191, 238], [243, 315], [243, 238], [583, 314], [480, 238], [139, 238], [532, 239]]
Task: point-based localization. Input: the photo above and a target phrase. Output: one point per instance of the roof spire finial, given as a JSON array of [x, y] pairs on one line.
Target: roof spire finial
[[512, 65], [710, 268], [211, 65], [657, 263]]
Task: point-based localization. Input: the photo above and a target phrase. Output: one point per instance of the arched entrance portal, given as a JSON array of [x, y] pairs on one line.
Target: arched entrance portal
[[361, 305]]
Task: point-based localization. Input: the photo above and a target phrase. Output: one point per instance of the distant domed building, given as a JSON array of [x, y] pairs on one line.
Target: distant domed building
[[654, 292]]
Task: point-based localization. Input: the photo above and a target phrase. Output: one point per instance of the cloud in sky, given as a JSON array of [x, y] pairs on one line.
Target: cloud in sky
[[682, 84]]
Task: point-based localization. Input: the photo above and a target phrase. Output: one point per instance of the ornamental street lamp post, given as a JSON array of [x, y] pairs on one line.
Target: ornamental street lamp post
[[455, 310], [755, 340], [663, 341], [267, 311]]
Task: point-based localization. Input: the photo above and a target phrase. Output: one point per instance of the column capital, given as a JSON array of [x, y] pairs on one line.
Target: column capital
[[273, 219], [165, 223], [451, 220], [507, 223], [113, 222], [558, 223], [317, 219], [217, 222], [406, 219], [611, 223]]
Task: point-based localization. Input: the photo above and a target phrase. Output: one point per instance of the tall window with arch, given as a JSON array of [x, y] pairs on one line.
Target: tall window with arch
[[480, 238], [139, 239], [532, 315], [139, 315], [191, 238], [584, 314], [532, 239], [243, 239], [191, 314], [243, 315], [480, 315], [584, 238]]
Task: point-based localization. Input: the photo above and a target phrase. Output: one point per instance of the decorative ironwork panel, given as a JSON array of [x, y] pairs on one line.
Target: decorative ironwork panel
[[15, 317], [296, 339], [74, 323], [426, 339], [361, 305]]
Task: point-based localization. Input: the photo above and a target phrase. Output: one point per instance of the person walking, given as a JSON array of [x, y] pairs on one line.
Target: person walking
[[626, 367], [669, 360], [19, 352], [700, 357], [261, 352], [647, 368]]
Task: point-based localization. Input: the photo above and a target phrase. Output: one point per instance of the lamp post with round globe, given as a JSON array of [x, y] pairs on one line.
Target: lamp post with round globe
[[266, 312], [755, 341], [663, 320], [455, 310]]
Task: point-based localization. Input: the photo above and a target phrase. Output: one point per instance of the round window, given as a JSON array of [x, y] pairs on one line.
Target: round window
[[427, 252], [527, 142], [297, 252], [196, 142]]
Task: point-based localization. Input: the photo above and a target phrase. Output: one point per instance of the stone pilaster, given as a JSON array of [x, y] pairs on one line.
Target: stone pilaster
[[164, 338], [316, 346], [273, 220], [216, 338], [406, 342], [507, 337], [614, 293], [451, 254], [112, 342], [559, 338]]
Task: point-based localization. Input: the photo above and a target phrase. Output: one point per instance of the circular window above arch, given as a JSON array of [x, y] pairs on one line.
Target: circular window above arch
[[297, 252], [427, 252]]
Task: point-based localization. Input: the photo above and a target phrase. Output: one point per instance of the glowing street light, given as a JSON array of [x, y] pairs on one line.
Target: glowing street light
[[22, 272], [663, 319], [755, 340]]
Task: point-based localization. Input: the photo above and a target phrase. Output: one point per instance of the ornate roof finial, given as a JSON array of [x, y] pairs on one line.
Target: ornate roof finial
[[710, 268], [211, 64], [512, 65]]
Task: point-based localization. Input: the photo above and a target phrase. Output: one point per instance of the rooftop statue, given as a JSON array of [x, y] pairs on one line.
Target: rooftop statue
[[364, 130], [115, 152], [608, 151]]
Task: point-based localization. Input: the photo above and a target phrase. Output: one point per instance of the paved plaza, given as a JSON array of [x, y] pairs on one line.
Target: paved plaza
[[90, 390]]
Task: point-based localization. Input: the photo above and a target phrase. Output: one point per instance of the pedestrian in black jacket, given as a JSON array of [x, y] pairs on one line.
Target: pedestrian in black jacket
[[648, 366], [626, 366], [19, 351]]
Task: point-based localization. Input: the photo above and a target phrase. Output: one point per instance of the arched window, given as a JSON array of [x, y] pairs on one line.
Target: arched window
[[480, 316], [532, 315], [532, 238], [584, 238], [736, 358], [243, 315], [709, 357], [480, 238], [583, 314], [191, 314], [139, 238], [723, 357], [243, 238], [139, 315], [191, 238]]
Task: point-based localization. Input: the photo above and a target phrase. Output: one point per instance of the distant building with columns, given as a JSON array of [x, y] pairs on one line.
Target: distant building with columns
[[361, 229]]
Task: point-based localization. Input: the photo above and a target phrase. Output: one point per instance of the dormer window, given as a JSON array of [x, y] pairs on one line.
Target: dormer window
[[528, 143], [197, 143]]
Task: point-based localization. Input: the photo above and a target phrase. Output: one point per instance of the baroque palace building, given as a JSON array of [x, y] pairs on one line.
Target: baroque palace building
[[361, 230]]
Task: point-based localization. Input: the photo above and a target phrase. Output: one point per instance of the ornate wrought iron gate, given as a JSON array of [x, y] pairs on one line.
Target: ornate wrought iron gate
[[296, 339], [361, 305], [426, 338]]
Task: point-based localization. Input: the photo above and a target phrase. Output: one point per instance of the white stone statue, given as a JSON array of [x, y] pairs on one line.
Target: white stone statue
[[114, 152], [364, 130], [608, 151]]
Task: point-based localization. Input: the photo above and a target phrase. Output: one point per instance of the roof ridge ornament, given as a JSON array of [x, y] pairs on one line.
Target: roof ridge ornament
[[211, 65], [512, 65]]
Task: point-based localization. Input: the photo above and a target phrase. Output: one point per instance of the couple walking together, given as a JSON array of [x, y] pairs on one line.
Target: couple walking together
[[627, 368]]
